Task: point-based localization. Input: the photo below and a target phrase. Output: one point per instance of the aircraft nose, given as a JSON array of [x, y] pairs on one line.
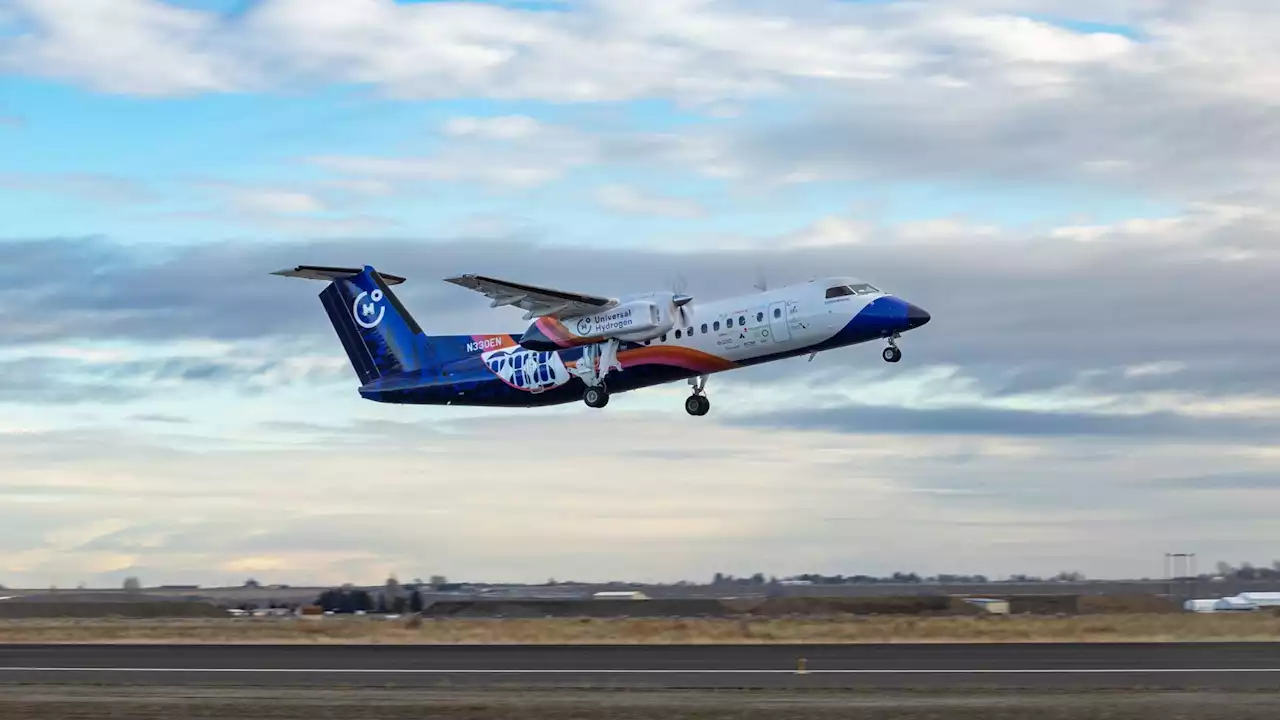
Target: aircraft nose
[[916, 316]]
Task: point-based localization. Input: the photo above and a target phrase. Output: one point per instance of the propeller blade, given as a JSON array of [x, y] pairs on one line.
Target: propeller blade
[[680, 285]]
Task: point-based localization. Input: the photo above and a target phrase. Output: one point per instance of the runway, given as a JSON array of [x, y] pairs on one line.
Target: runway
[[1067, 667]]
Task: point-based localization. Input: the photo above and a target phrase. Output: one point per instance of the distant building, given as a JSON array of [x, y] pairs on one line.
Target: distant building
[[1261, 599], [620, 595], [1227, 604], [993, 606]]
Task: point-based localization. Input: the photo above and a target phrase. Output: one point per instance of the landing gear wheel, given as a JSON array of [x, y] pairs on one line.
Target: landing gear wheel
[[596, 397], [891, 354], [697, 405]]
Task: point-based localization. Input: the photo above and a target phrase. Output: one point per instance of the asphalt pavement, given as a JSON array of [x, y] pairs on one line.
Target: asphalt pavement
[[1069, 667]]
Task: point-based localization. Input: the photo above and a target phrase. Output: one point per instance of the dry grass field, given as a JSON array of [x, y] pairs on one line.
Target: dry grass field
[[1154, 627]]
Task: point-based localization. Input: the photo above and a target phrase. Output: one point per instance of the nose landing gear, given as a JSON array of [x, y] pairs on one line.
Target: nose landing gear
[[892, 354]]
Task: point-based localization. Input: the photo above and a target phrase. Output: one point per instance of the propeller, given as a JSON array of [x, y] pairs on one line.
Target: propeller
[[762, 283], [680, 299]]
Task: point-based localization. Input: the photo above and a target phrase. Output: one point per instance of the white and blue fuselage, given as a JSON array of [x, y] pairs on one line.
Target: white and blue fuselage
[[397, 363]]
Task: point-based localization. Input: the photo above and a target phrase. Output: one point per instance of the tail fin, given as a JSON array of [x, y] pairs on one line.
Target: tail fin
[[381, 337]]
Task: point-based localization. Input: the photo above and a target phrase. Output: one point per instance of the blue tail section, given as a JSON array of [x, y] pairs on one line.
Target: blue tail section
[[380, 336]]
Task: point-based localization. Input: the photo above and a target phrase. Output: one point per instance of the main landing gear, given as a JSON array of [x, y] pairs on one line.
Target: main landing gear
[[697, 404], [892, 353], [597, 362]]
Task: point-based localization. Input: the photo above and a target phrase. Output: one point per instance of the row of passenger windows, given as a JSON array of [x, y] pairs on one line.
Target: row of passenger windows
[[715, 326]]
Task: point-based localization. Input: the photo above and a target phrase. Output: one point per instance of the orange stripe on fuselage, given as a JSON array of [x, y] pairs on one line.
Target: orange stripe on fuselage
[[682, 357]]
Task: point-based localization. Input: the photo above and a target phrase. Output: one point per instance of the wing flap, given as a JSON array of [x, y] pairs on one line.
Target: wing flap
[[536, 301]]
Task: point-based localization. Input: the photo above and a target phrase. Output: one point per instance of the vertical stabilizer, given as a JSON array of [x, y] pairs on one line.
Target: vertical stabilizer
[[380, 336]]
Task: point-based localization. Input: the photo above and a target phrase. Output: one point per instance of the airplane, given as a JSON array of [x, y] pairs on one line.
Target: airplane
[[576, 341]]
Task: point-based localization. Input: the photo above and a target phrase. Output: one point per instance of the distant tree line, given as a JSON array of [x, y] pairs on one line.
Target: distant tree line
[[397, 598], [1246, 571], [394, 599], [898, 578]]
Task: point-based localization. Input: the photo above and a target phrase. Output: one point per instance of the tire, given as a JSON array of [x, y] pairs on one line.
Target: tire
[[697, 405], [595, 397], [891, 354]]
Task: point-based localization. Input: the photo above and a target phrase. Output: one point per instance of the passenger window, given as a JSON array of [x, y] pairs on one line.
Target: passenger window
[[664, 337], [741, 320], [777, 312], [690, 332], [759, 317], [677, 334], [715, 325], [704, 328]]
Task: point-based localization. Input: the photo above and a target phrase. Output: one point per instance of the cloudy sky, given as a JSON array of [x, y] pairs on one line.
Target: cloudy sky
[[1082, 193]]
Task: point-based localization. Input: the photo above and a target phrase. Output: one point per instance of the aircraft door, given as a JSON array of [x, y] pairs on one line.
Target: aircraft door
[[778, 328]]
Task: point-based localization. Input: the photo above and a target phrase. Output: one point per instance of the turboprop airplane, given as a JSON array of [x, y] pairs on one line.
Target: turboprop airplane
[[576, 342]]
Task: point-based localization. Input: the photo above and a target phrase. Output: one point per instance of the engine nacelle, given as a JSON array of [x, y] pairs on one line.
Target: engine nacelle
[[634, 321]]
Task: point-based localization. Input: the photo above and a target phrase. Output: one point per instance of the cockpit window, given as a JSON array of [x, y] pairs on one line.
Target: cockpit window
[[843, 290]]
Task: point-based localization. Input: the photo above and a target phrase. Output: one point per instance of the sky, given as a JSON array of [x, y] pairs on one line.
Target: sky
[[1082, 194]]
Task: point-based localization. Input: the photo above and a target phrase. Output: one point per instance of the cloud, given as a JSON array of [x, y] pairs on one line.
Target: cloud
[[862, 419], [511, 127], [92, 187], [42, 378], [161, 418], [1269, 480], [453, 167], [978, 93], [503, 153], [141, 47], [1041, 315], [786, 513], [1163, 116], [831, 231], [328, 208], [1122, 359], [698, 51], [631, 201], [280, 202]]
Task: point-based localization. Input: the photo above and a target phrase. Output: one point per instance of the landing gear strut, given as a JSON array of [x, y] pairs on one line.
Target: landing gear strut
[[697, 404], [598, 360], [892, 353]]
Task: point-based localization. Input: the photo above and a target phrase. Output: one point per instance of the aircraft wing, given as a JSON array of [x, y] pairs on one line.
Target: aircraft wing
[[537, 301]]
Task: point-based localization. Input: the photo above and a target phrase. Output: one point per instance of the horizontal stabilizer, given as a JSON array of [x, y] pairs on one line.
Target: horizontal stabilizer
[[319, 272]]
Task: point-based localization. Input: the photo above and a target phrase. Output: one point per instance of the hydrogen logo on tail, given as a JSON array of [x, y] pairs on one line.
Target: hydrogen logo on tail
[[363, 312]]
